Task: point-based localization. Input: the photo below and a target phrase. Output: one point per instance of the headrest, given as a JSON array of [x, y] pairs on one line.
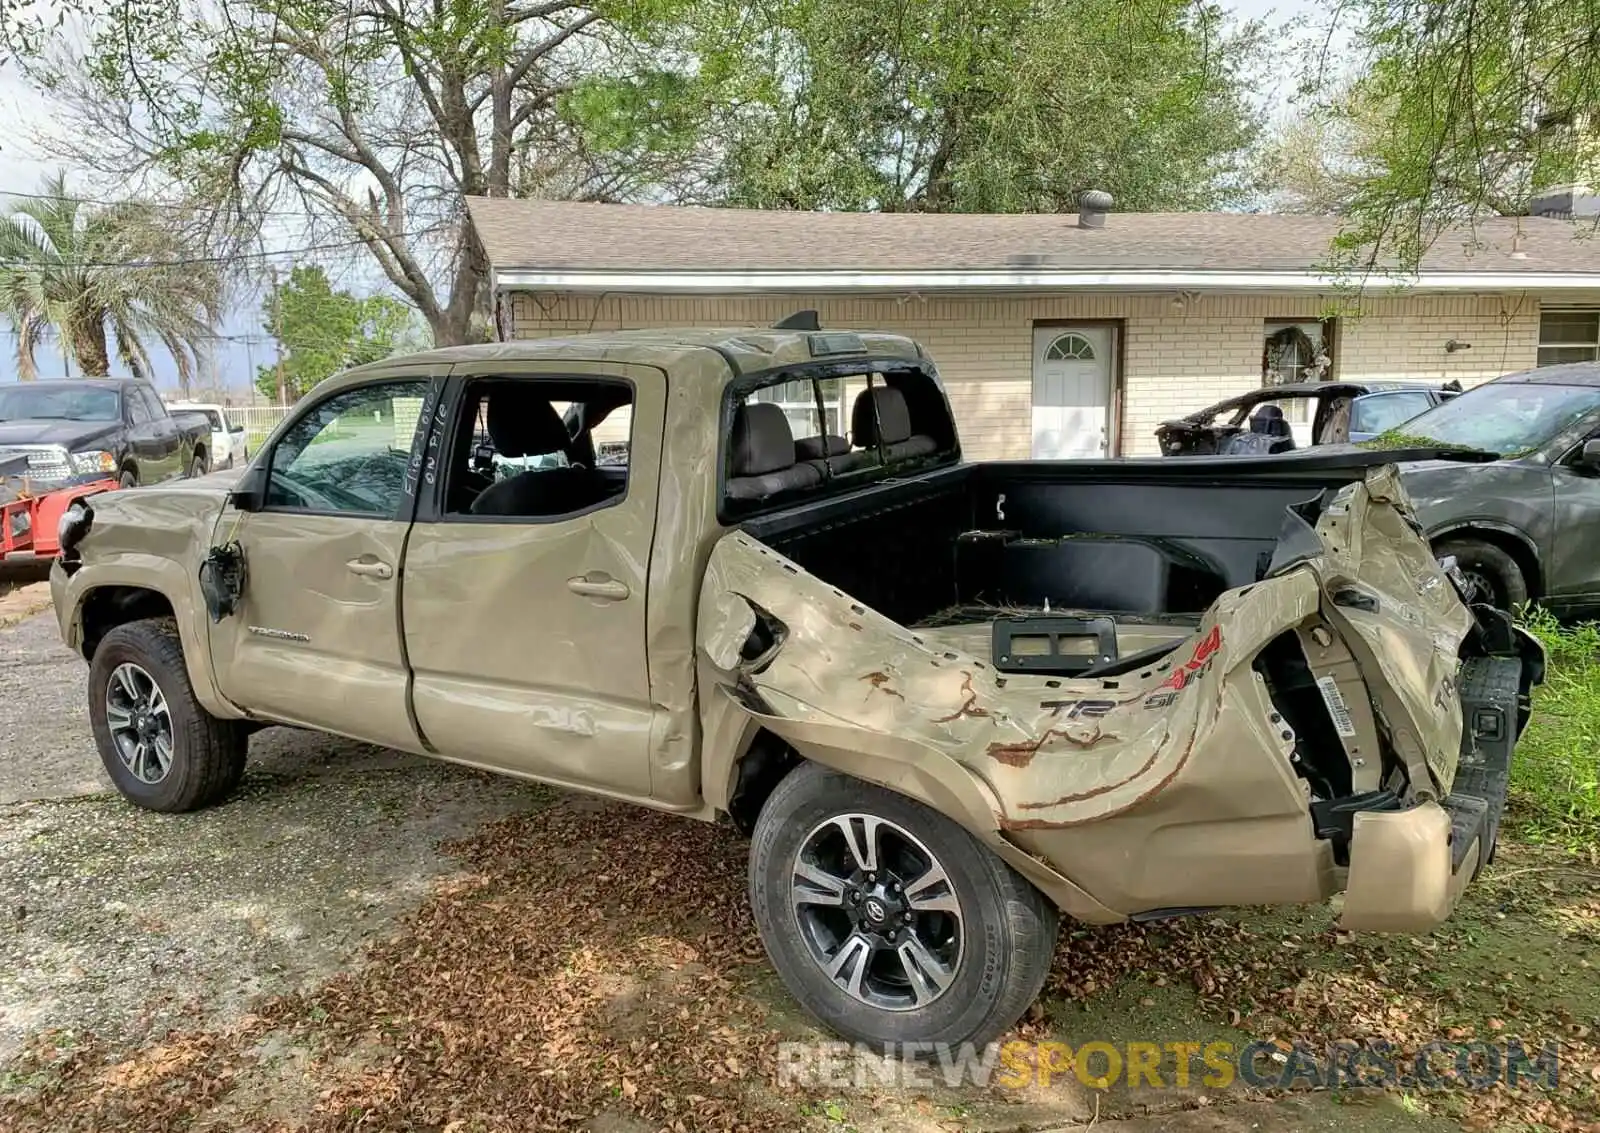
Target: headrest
[[1268, 420], [761, 440], [523, 423], [819, 448], [893, 417]]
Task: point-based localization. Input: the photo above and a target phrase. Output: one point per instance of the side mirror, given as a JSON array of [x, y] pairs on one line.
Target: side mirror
[[235, 428], [250, 493]]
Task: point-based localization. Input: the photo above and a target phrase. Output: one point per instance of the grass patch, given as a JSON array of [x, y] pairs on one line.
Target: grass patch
[[1555, 774]]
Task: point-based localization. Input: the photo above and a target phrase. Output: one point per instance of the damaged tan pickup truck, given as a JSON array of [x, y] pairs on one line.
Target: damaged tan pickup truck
[[746, 574]]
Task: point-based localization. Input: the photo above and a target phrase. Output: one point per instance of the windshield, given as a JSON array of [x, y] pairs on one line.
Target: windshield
[[69, 403], [1505, 418]]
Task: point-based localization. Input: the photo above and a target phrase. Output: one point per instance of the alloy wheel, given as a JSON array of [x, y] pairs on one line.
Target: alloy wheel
[[140, 723], [877, 911]]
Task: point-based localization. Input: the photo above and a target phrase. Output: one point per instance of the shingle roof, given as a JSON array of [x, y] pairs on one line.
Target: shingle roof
[[568, 236]]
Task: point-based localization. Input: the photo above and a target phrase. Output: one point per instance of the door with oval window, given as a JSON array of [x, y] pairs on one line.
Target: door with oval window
[[1072, 369]]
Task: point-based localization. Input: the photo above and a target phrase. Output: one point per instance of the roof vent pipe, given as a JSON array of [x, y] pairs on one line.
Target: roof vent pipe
[[1092, 209]]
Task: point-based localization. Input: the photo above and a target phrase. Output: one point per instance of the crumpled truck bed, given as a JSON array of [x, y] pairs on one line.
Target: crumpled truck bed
[[1172, 785], [1055, 752]]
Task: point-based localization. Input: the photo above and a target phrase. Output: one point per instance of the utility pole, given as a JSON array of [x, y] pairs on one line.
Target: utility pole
[[277, 334]]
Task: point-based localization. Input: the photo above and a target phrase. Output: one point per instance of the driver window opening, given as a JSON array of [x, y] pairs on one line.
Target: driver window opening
[[535, 448], [349, 454]]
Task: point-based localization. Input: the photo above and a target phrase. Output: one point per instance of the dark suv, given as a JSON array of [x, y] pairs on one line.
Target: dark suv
[[1525, 524]]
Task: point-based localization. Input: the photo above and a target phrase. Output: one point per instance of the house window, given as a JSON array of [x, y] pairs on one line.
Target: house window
[[1070, 348], [1569, 336], [799, 403], [1296, 352]]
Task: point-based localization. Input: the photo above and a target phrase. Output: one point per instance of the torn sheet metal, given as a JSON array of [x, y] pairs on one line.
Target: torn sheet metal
[[1403, 621], [1061, 752], [1055, 752]]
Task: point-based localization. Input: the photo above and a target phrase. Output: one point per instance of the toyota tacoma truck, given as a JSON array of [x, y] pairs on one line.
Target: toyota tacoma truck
[[950, 702]]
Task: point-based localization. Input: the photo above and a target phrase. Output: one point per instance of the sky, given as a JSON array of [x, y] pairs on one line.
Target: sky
[[243, 343]]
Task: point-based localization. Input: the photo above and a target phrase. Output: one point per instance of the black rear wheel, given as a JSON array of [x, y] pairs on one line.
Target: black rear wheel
[[888, 921]]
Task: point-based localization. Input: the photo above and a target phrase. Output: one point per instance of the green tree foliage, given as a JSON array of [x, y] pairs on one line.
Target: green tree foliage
[[375, 116], [103, 276], [1484, 102], [379, 116], [320, 331], [948, 105]]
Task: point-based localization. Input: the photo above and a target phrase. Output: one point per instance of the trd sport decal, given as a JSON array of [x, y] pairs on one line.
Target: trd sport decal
[[1167, 691]]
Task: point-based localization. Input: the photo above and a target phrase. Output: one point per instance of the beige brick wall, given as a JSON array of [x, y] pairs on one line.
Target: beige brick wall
[[1177, 358]]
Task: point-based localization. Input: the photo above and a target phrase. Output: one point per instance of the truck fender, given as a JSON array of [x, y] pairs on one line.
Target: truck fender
[[162, 576]]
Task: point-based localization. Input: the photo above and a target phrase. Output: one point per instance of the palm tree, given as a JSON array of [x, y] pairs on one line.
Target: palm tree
[[103, 273]]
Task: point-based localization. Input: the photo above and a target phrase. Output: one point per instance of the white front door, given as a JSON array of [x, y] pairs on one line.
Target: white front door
[[1072, 369]]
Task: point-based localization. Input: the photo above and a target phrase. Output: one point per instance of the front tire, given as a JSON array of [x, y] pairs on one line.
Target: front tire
[[128, 479], [200, 466], [162, 750], [888, 922], [1496, 578]]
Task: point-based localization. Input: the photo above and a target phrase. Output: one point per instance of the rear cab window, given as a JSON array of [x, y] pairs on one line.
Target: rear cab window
[[818, 429]]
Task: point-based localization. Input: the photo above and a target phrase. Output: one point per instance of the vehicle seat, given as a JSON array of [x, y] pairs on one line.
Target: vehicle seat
[[1269, 421], [891, 424], [820, 448], [764, 461], [828, 453], [521, 424]]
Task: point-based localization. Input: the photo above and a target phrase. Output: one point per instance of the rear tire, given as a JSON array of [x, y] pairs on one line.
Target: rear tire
[[898, 976], [1489, 568], [163, 750]]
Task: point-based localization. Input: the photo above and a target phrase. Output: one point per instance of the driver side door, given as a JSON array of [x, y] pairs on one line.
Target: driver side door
[[315, 641]]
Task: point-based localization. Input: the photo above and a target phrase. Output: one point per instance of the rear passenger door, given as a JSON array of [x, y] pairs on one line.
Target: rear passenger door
[[526, 633], [144, 439]]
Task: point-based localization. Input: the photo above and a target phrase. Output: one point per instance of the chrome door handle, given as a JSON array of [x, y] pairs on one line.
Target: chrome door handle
[[372, 568], [599, 586]]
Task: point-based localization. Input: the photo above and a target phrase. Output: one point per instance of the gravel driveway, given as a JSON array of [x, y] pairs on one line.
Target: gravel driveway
[[121, 923]]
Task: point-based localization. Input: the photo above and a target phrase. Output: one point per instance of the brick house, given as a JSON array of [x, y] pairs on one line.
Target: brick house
[[1060, 335]]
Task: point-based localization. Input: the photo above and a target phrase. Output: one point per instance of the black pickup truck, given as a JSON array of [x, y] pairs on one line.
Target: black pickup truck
[[77, 430]]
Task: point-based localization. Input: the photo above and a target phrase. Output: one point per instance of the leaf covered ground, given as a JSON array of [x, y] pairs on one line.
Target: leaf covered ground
[[594, 967]]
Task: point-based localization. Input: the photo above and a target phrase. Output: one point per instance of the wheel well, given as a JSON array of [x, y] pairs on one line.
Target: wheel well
[[762, 767], [108, 607], [1520, 552]]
